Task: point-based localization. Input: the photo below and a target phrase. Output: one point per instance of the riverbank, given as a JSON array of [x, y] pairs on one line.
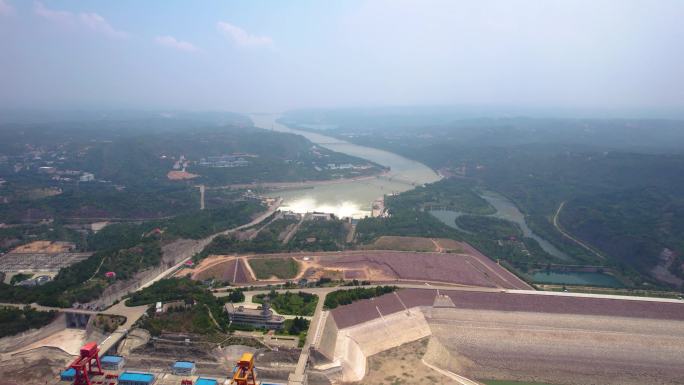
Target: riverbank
[[302, 184], [349, 197]]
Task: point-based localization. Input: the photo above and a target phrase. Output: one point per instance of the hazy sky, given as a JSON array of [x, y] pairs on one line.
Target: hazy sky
[[277, 55]]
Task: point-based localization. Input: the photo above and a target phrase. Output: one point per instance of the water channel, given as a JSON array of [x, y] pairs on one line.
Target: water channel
[[505, 209]]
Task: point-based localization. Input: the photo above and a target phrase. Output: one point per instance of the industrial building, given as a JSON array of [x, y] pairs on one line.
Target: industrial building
[[136, 378], [87, 177], [259, 318], [223, 161], [183, 368], [319, 216], [112, 362]]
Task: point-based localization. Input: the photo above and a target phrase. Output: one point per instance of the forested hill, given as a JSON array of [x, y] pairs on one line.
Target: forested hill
[[620, 179], [148, 166]]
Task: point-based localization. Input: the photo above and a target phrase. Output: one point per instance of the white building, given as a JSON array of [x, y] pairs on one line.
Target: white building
[[87, 177]]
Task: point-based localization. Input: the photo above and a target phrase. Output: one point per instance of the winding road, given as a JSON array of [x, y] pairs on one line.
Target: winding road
[[133, 314], [570, 237]]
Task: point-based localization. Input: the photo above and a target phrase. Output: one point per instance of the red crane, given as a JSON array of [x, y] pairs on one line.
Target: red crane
[[83, 365]]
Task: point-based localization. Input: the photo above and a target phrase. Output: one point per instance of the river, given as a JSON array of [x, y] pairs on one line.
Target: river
[[505, 209], [349, 198], [354, 198]]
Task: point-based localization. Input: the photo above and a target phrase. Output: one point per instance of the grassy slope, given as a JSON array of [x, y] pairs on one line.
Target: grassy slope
[[283, 268]]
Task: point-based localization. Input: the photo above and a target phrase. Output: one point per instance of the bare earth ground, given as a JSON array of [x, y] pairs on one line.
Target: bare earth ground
[[463, 269], [402, 365], [69, 340], [222, 267], [449, 244], [36, 367], [402, 243], [559, 348], [47, 247], [16, 342], [180, 175], [468, 267]]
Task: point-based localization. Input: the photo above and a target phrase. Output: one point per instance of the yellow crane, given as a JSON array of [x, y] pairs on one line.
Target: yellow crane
[[243, 373]]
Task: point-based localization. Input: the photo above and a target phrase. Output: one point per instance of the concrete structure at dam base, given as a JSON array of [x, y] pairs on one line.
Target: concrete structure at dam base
[[511, 335]]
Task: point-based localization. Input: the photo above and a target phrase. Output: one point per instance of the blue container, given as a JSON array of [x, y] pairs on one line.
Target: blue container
[[67, 375], [183, 365], [205, 381], [111, 359], [134, 378]]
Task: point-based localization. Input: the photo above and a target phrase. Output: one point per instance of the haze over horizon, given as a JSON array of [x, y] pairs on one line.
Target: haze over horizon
[[274, 56]]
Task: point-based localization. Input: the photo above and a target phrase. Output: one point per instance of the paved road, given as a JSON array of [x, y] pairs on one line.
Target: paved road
[[206, 241], [299, 375], [569, 236], [133, 314]]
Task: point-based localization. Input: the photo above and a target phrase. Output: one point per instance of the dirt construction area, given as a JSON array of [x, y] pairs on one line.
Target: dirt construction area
[[35, 367], [462, 269], [402, 365], [180, 175], [221, 267], [47, 247], [467, 267]]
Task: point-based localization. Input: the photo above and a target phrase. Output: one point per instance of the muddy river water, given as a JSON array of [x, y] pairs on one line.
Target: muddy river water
[[349, 198]]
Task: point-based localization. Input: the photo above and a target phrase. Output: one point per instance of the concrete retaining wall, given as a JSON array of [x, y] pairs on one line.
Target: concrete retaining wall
[[354, 344], [328, 338]]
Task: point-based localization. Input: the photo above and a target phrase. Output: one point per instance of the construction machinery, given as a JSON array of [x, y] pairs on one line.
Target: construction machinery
[[243, 372], [86, 364]]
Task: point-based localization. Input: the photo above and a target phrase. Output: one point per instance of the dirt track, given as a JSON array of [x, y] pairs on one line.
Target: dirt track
[[225, 268], [403, 363]]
